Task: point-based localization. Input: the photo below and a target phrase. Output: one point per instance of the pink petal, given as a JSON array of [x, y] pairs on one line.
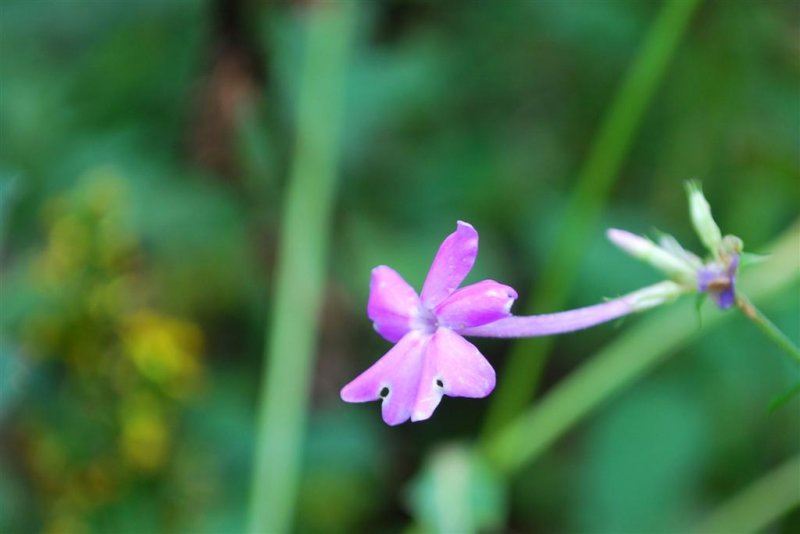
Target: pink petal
[[392, 303], [452, 366], [398, 371], [475, 305], [452, 264]]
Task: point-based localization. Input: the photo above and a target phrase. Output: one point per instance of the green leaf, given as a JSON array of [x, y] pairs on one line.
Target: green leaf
[[747, 259]]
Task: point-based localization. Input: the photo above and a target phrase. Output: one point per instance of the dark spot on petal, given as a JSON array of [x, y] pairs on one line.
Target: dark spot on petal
[[439, 383], [384, 392]]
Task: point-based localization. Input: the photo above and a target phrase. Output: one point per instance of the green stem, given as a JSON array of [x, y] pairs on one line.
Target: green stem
[[520, 377], [768, 327], [758, 505], [625, 360], [300, 271]]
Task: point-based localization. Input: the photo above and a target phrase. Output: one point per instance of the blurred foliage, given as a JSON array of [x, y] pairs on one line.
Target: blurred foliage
[[112, 374], [457, 492], [143, 155]]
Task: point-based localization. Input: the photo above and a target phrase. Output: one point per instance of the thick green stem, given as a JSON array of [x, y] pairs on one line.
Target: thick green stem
[[627, 359], [758, 505], [595, 179], [300, 271]]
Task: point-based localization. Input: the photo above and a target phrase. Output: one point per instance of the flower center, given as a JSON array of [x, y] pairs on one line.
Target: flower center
[[424, 321]]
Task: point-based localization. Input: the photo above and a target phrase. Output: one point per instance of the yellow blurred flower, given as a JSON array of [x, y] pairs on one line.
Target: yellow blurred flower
[[165, 350]]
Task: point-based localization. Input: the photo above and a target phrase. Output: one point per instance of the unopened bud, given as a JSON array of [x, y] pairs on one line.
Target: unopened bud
[[647, 251], [731, 245], [704, 224]]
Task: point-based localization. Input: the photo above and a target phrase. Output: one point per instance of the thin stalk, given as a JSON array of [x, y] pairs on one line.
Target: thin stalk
[[569, 321], [768, 327], [300, 271], [758, 505], [600, 170], [626, 360]]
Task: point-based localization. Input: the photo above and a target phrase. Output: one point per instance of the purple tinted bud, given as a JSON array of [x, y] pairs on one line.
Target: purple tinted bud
[[719, 281]]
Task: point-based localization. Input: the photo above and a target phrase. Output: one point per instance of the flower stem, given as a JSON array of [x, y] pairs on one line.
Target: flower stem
[[300, 271], [601, 168], [768, 327], [758, 505], [578, 319], [625, 360]]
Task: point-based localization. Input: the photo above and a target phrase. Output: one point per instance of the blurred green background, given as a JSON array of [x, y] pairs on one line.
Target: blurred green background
[[145, 147]]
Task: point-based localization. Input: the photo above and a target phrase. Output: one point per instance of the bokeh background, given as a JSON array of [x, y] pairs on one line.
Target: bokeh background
[[145, 149]]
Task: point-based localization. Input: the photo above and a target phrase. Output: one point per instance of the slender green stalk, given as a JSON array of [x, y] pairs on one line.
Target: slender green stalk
[[595, 179], [768, 327], [300, 272], [627, 359], [758, 505]]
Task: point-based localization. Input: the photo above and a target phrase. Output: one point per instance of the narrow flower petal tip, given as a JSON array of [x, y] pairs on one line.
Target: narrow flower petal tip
[[452, 264], [476, 304], [430, 358]]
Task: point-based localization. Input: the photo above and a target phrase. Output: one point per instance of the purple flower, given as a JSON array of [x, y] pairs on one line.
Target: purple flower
[[430, 358]]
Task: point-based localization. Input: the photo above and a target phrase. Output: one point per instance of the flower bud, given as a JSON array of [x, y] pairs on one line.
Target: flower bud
[[731, 245], [647, 251], [707, 230]]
